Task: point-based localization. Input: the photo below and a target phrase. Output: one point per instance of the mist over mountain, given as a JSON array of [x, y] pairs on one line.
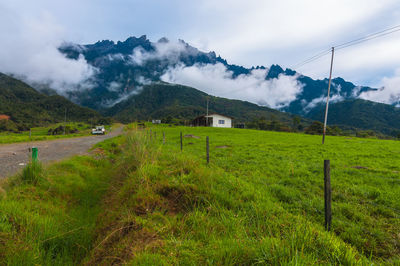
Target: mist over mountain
[[122, 68]]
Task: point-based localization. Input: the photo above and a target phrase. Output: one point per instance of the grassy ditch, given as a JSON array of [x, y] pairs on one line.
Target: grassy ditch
[[48, 214]]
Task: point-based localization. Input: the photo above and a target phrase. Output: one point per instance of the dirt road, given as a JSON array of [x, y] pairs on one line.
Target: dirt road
[[14, 157]]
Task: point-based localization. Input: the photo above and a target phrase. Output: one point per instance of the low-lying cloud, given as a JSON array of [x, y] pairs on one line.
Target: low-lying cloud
[[29, 49], [218, 80], [163, 49], [389, 93], [321, 100]]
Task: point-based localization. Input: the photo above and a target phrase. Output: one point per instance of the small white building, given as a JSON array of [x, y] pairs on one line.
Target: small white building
[[213, 120]]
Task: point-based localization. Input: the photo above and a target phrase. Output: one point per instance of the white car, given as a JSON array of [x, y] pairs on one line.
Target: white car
[[99, 130]]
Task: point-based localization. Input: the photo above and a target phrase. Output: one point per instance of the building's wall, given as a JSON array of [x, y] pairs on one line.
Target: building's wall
[[216, 118]]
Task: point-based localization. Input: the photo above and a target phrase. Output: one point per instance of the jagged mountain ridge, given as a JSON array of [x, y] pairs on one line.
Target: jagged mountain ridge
[[124, 68], [114, 62]]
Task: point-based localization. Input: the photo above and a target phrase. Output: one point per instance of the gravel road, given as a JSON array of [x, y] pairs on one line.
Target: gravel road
[[14, 157]]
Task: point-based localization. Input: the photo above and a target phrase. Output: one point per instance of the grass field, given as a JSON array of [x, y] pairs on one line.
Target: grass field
[[288, 169], [260, 201], [41, 133]]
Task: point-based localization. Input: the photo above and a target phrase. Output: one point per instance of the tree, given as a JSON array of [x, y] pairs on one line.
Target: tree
[[296, 123]]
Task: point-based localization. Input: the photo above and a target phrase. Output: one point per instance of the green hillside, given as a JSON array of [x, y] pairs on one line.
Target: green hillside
[[137, 201], [28, 108], [361, 114], [161, 100]]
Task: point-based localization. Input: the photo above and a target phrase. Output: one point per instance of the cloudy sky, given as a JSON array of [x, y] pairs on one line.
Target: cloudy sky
[[249, 33]]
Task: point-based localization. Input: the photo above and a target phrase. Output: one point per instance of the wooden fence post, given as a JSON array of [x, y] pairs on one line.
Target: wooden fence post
[[181, 142], [327, 194], [163, 137], [208, 149]]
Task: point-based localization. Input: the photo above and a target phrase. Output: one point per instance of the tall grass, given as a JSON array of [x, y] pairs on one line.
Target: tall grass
[[32, 173]]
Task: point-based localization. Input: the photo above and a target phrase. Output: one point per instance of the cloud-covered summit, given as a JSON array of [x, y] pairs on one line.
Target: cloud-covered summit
[[126, 66]]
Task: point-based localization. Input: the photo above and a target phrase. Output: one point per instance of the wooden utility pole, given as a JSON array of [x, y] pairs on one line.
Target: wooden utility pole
[[207, 113], [181, 142], [327, 98], [208, 150], [327, 194]]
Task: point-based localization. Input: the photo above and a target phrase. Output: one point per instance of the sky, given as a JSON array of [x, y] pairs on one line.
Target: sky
[[248, 33]]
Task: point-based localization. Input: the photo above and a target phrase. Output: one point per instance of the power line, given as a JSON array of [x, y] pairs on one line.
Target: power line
[[370, 36], [337, 47], [350, 43], [367, 39], [312, 59]]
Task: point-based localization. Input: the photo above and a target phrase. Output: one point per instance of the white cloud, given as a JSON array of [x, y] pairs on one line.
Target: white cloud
[[389, 93], [163, 50], [114, 86], [317, 101], [217, 80], [29, 49], [122, 97], [117, 57], [143, 81]]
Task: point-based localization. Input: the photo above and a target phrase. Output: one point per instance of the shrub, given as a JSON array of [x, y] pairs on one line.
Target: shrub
[[32, 173], [60, 130]]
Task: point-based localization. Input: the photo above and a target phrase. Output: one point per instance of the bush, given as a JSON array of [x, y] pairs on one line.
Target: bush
[[32, 173], [60, 130], [8, 125], [365, 134], [315, 128]]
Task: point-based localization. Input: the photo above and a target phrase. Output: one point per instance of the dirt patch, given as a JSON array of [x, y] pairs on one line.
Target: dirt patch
[[191, 136], [122, 242], [180, 198], [359, 167], [146, 205], [223, 147], [98, 153]]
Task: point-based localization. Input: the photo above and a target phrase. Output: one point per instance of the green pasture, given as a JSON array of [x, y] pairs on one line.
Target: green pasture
[[287, 169]]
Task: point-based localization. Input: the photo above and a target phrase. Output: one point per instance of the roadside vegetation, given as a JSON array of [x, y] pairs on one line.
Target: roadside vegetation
[[54, 131], [259, 201]]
